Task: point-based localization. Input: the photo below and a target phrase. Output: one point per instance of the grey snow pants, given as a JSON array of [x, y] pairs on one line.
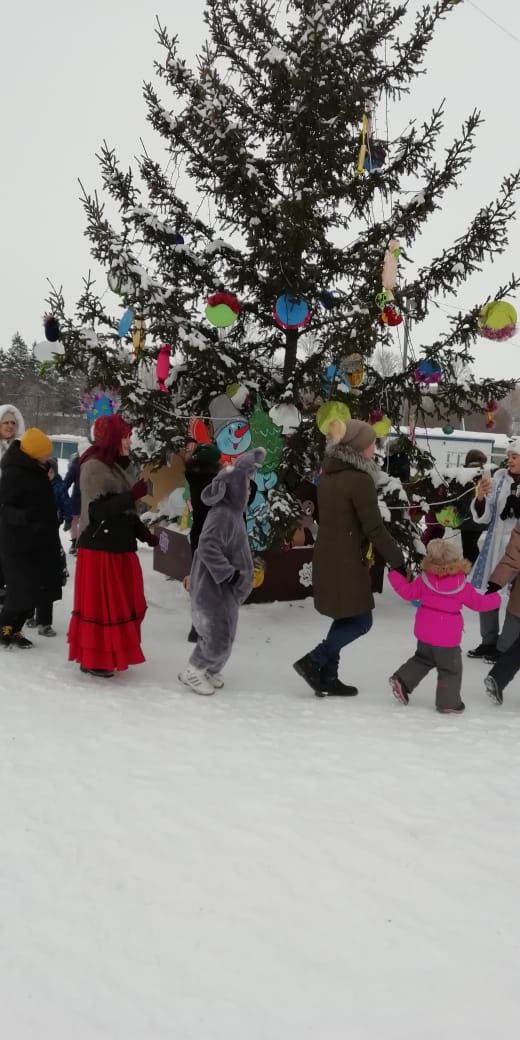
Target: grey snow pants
[[490, 630], [448, 662]]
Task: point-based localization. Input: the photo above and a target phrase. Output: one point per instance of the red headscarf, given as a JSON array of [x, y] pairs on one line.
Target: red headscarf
[[109, 431]]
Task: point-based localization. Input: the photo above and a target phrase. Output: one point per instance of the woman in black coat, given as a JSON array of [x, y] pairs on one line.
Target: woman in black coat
[[29, 539]]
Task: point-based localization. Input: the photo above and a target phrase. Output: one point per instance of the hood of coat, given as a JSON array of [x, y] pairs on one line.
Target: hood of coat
[[6, 409], [340, 456], [17, 459], [231, 486], [445, 570], [444, 584]]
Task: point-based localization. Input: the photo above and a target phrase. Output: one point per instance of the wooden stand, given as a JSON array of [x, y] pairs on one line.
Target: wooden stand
[[287, 575]]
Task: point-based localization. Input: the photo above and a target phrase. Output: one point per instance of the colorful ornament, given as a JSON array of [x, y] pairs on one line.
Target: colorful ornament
[[238, 394], [390, 315], [497, 320], [331, 411], [258, 572], [363, 149], [375, 156], [51, 328], [162, 367], [328, 300], [265, 434], [126, 322], [428, 372], [334, 376], [380, 424], [98, 402], [285, 416], [355, 369], [139, 335], [291, 312], [449, 516], [179, 239], [389, 272], [119, 283], [491, 410], [448, 430], [222, 309]]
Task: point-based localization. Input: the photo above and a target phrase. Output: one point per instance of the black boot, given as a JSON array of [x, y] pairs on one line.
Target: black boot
[[493, 689], [311, 672], [100, 673], [485, 652], [335, 688]]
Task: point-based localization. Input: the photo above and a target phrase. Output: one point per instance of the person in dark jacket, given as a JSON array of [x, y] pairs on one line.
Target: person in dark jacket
[[470, 531], [109, 603], [72, 481], [201, 466], [350, 522], [29, 538], [43, 615]]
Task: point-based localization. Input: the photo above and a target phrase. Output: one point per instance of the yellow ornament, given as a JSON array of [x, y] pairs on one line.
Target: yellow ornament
[[331, 411], [258, 573], [355, 370], [382, 427], [138, 335]]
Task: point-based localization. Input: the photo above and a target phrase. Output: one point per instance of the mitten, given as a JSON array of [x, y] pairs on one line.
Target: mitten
[[152, 539], [492, 587], [402, 570], [139, 490]]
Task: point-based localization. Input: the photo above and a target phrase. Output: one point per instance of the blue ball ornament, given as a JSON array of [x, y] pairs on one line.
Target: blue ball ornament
[[291, 312]]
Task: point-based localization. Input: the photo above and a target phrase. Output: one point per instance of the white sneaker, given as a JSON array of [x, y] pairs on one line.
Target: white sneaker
[[196, 681], [216, 680]]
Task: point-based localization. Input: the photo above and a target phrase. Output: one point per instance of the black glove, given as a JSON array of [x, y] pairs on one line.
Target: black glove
[[492, 587], [152, 539], [233, 579], [67, 525]]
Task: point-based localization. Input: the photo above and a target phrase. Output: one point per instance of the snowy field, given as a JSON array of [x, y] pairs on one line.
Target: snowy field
[[262, 864]]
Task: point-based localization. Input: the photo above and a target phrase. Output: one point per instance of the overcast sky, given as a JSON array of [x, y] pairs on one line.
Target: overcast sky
[[71, 75]]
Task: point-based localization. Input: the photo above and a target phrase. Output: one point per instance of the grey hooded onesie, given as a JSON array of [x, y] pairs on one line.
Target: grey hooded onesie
[[222, 551]]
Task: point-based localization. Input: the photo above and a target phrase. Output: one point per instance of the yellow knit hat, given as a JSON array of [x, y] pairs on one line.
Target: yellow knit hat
[[36, 444]]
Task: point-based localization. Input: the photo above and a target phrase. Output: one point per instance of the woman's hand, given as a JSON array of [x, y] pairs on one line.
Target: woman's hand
[[187, 583], [484, 486]]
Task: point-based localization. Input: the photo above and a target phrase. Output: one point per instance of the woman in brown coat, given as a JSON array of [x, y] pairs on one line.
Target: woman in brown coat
[[350, 522]]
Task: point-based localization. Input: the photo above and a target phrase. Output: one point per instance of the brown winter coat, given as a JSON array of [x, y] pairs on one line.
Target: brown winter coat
[[350, 521], [508, 570]]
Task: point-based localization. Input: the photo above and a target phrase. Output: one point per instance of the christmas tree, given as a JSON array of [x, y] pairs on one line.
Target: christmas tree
[[275, 130]]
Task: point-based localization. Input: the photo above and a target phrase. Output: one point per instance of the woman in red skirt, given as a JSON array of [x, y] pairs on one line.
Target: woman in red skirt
[[109, 603]]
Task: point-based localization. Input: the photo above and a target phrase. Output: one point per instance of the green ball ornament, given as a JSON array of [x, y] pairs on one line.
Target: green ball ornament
[[329, 413]]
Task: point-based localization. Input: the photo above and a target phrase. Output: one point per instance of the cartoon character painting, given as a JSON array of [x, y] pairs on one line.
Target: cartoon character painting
[[231, 431]]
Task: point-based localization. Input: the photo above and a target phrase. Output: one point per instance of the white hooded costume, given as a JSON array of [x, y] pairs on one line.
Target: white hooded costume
[[11, 410]]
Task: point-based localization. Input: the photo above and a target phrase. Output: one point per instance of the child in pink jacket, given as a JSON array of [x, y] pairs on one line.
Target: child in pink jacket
[[442, 590]]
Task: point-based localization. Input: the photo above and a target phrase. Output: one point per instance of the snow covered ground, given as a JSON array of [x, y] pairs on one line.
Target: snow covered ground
[[260, 865]]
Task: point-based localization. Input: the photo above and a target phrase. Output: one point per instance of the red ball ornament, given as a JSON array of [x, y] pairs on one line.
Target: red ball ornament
[[390, 315]]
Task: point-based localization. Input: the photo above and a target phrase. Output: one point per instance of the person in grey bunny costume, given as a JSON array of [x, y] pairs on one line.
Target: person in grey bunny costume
[[221, 574]]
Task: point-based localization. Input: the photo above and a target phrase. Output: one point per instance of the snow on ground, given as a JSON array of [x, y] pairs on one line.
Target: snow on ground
[[260, 865]]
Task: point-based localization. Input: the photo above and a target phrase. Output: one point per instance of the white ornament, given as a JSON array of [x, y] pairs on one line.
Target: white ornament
[[287, 416], [305, 575]]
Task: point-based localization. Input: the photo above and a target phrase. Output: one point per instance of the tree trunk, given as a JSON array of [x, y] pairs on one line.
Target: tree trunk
[[291, 346]]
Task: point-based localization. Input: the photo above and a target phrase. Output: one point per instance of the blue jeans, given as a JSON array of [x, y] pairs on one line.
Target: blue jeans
[[342, 632]]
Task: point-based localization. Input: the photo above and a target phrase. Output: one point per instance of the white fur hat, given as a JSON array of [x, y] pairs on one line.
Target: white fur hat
[[513, 447]]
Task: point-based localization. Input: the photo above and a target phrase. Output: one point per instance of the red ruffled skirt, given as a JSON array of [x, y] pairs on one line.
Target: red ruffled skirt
[[109, 606]]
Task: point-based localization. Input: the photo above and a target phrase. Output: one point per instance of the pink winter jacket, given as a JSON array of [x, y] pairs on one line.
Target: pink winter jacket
[[439, 619]]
